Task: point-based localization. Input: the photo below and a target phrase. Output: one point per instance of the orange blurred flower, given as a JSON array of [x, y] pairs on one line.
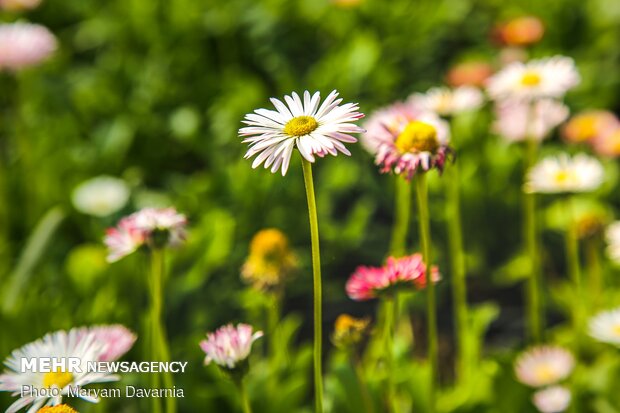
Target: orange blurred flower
[[473, 73], [521, 31], [589, 125]]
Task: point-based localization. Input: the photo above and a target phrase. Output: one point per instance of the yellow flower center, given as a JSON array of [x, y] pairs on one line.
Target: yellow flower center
[[300, 126], [616, 330], [530, 79], [585, 127], [562, 177], [545, 373], [417, 137], [57, 378], [61, 408]]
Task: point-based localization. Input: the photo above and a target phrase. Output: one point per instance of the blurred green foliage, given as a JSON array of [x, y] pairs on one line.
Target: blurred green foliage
[[153, 91]]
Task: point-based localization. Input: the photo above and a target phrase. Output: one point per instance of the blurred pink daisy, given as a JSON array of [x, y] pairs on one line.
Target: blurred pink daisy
[[544, 365], [314, 130], [518, 121], [550, 77], [369, 282], [555, 399], [24, 44], [149, 226], [406, 139], [124, 239], [229, 345], [116, 340]]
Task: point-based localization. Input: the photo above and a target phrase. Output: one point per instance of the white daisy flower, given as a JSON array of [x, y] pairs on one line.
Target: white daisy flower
[[544, 365], [554, 399], [581, 173], [100, 196], [60, 344], [447, 102], [518, 120], [313, 129], [605, 326], [612, 234], [550, 77]]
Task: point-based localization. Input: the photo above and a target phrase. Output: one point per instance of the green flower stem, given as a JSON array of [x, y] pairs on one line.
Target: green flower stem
[[391, 307], [457, 265], [363, 386], [273, 319], [400, 230], [155, 310], [431, 311], [316, 275], [594, 269], [572, 261], [245, 400], [530, 232], [159, 343]]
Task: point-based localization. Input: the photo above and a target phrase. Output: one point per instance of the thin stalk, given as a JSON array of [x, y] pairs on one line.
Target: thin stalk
[[316, 276], [530, 232], [155, 312], [431, 311], [572, 261], [245, 400], [391, 307], [402, 209], [457, 265], [594, 269], [160, 344], [273, 319], [359, 373]]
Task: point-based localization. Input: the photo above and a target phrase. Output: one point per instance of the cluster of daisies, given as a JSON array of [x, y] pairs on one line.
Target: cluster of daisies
[[22, 44], [88, 344], [545, 367]]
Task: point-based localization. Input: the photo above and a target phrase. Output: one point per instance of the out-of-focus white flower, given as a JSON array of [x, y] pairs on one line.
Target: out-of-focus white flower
[[605, 326], [447, 102], [612, 234], [100, 196], [544, 365], [551, 77], [581, 173], [17, 5], [554, 399], [60, 344], [24, 44], [229, 345], [518, 120], [313, 129]]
